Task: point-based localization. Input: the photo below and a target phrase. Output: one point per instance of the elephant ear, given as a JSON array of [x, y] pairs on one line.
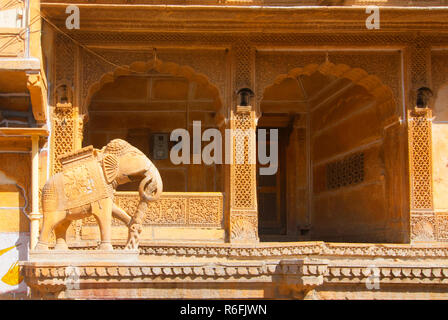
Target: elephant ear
[[110, 167]]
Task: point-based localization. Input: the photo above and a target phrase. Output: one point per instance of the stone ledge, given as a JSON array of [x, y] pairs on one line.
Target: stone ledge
[[277, 249], [69, 257], [31, 64], [298, 278]]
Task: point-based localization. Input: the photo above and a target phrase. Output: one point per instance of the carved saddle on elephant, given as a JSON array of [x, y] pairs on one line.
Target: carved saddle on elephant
[[82, 179]]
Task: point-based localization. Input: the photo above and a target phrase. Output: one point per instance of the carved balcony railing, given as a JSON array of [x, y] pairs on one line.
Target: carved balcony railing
[[185, 209], [194, 211]]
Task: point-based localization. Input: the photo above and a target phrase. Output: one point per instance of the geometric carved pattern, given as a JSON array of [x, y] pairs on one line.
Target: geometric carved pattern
[[243, 172], [348, 171], [174, 209], [420, 54], [65, 59], [63, 135], [420, 159], [243, 212], [243, 65]]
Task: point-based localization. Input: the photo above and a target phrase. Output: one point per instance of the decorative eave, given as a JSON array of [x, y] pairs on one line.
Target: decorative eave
[[209, 18]]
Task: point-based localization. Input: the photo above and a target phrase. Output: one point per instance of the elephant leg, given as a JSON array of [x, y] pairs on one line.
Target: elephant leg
[[120, 214], [60, 231], [103, 214], [51, 219]]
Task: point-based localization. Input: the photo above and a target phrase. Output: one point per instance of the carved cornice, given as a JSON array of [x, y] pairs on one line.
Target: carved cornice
[[399, 273], [271, 251], [56, 274], [296, 277], [172, 18]]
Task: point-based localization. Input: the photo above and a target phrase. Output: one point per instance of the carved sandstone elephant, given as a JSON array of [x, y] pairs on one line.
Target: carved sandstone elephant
[[86, 186]]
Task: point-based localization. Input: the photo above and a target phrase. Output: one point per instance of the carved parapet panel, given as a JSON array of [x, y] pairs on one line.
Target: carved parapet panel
[[202, 210]]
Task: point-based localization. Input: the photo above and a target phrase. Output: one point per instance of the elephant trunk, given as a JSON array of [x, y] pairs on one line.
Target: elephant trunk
[[151, 186]]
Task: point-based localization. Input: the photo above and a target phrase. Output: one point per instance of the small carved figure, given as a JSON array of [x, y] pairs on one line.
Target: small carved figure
[[86, 187]]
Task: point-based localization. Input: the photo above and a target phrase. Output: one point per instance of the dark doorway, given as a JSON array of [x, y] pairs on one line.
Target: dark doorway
[[271, 190]]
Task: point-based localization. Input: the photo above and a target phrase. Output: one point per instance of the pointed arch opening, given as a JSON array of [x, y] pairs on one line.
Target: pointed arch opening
[[142, 104], [341, 161]]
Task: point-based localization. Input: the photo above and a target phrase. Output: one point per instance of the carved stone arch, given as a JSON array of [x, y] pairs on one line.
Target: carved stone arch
[[382, 94], [389, 140], [160, 66]]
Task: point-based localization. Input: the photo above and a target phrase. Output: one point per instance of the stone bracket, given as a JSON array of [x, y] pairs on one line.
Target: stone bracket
[[36, 88]]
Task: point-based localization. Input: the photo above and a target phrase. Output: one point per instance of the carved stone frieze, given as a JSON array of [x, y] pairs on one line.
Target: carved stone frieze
[[174, 209]]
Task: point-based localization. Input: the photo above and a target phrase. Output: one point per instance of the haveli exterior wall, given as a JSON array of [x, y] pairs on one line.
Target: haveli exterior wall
[[355, 75], [23, 111]]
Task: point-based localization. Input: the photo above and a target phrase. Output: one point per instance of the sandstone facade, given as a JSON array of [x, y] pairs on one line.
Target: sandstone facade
[[356, 209]]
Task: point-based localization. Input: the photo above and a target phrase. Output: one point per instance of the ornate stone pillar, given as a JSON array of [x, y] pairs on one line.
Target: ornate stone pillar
[[243, 213], [243, 189], [423, 225]]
